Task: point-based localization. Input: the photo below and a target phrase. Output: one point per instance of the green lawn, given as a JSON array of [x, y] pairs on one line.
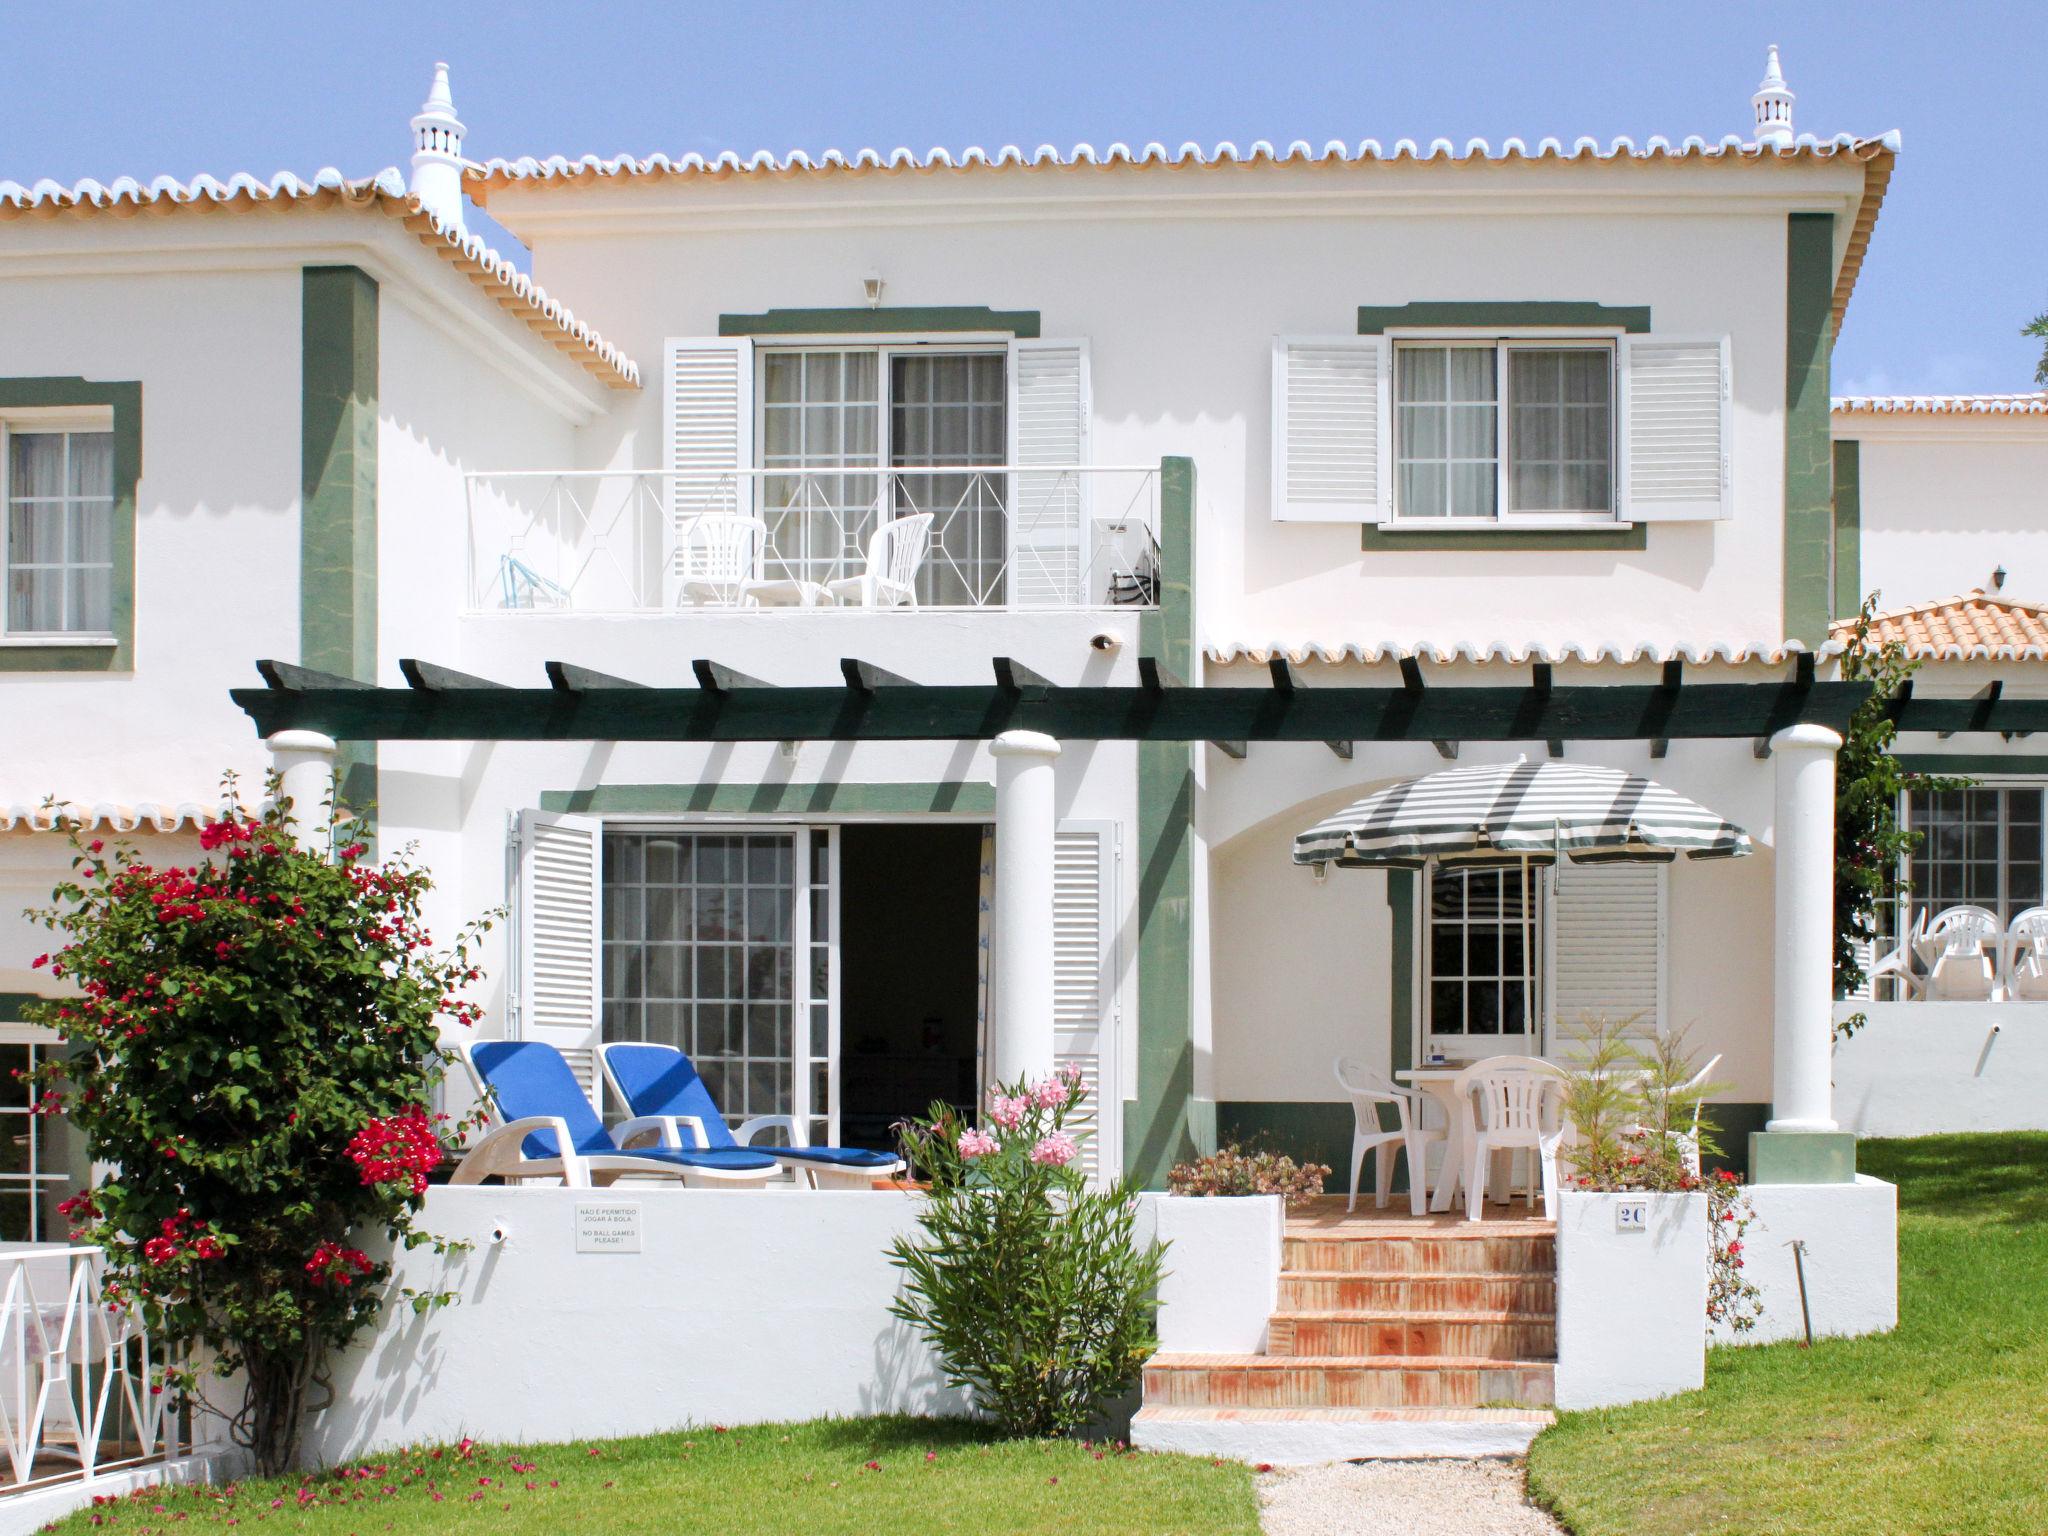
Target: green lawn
[[1940, 1427], [855, 1477]]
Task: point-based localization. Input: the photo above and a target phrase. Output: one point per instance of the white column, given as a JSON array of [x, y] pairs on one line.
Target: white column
[[304, 762], [1802, 1096], [1022, 1045]]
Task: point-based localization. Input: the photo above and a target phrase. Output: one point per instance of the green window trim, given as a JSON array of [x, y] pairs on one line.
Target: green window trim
[[1974, 765], [1809, 461], [1506, 314], [1378, 541], [11, 1004], [784, 799], [899, 320], [124, 399], [338, 496], [1848, 528]]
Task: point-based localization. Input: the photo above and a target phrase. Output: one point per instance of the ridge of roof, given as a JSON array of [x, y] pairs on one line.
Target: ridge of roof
[[2021, 403], [1971, 626], [1302, 651], [512, 289]]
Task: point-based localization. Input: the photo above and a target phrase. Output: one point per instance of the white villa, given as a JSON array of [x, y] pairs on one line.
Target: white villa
[[889, 633]]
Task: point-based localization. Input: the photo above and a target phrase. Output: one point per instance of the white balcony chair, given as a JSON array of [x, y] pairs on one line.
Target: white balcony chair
[[1368, 1090], [2026, 970], [1688, 1140], [720, 559], [1514, 1104], [1896, 965], [1962, 972], [896, 551]]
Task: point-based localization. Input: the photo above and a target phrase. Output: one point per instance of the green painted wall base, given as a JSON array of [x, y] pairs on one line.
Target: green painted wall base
[[1732, 1123], [1802, 1157]]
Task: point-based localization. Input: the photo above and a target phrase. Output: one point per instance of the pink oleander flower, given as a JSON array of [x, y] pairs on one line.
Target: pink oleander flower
[[1055, 1151], [1050, 1094], [1072, 1073], [978, 1144], [1007, 1112]]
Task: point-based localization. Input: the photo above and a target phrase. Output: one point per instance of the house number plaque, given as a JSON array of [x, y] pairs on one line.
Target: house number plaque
[[607, 1228], [1629, 1216]]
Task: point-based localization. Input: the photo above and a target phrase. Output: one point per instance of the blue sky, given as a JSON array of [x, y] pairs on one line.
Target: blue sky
[[1956, 268]]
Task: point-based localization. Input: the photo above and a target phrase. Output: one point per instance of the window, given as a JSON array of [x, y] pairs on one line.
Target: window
[[37, 1152], [719, 943], [918, 407], [1978, 847], [1482, 954], [59, 531], [1461, 455]]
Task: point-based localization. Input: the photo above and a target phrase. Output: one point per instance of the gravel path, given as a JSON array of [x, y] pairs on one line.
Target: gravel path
[[1411, 1498]]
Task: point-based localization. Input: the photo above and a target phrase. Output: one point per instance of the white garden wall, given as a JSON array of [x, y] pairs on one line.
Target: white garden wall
[[1919, 1069], [1851, 1235], [737, 1307], [1631, 1299]]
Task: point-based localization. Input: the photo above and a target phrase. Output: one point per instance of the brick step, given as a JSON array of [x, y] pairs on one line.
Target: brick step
[[1305, 1436], [1500, 1335], [1477, 1252], [1381, 1291], [1330, 1381]]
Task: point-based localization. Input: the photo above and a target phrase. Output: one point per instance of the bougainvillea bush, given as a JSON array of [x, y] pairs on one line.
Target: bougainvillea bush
[[1032, 1287], [254, 1045]]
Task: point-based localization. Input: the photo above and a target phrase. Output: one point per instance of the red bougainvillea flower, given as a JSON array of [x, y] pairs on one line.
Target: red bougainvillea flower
[[333, 1264], [397, 1149]]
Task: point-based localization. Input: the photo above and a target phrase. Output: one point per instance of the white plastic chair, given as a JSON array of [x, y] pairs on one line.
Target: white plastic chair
[[720, 558], [1514, 1103], [1962, 971], [896, 551], [1368, 1090], [2026, 969], [1688, 1140], [1896, 965]]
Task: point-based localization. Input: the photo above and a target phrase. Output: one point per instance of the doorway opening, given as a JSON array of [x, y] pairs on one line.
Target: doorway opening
[[909, 994]]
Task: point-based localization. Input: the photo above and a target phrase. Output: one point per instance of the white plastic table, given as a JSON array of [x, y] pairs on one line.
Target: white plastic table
[[1440, 1084]]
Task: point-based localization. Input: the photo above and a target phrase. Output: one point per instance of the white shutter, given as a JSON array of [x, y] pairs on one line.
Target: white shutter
[[1049, 417], [1083, 985], [1606, 946], [1332, 429], [708, 433], [559, 951], [1676, 428]]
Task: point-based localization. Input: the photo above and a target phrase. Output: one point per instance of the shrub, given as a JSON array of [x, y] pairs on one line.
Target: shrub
[[254, 1046], [1232, 1170], [1630, 1104], [1030, 1285]]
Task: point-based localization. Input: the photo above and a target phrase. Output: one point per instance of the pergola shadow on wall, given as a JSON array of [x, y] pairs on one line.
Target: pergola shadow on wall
[[1798, 719]]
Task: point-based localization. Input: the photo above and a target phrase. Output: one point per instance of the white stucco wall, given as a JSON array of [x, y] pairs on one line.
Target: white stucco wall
[[1921, 1068], [1631, 1304], [1851, 1233], [1180, 280], [1946, 500]]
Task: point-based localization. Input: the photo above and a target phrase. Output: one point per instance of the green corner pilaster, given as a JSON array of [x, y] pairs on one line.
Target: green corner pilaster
[[1166, 1123], [123, 400], [1401, 969], [338, 494], [1848, 528], [1809, 469]]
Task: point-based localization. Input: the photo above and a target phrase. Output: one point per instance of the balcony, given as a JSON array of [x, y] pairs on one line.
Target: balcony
[[915, 536]]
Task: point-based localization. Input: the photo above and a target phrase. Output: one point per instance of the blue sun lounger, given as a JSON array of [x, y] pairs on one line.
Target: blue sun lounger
[[547, 1129], [660, 1083]]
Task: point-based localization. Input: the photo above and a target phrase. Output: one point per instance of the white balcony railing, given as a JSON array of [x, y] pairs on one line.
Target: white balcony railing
[[75, 1372], [622, 541]]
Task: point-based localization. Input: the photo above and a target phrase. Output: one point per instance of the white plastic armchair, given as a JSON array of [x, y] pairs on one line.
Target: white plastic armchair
[[719, 559], [896, 551], [1896, 965], [1515, 1103], [1368, 1090], [1958, 938], [2026, 969]]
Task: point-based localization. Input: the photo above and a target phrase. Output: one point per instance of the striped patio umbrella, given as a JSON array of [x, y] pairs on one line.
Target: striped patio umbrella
[[1511, 813]]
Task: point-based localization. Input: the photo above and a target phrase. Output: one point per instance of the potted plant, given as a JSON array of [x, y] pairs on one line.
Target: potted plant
[[1649, 1247]]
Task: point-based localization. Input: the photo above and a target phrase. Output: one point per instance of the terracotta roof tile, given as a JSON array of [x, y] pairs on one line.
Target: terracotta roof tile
[[1975, 627], [2034, 404]]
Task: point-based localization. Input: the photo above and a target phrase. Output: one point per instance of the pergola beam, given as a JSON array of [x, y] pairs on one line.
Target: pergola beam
[[429, 678], [565, 677], [730, 707]]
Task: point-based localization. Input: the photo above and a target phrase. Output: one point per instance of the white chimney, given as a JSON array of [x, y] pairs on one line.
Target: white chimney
[[437, 154], [1773, 103]]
